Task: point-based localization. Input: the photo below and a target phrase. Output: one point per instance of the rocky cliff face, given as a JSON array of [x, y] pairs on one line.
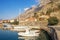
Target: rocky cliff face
[[52, 8]]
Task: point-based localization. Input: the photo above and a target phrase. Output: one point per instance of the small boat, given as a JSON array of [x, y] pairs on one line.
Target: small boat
[[28, 33]]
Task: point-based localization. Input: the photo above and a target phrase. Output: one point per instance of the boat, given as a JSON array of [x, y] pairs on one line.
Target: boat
[[28, 32]]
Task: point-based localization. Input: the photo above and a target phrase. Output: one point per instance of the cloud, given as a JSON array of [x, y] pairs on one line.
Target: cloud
[[38, 1], [26, 9], [33, 5]]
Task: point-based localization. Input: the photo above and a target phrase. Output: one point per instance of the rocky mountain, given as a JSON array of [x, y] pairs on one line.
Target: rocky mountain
[[51, 8], [30, 11]]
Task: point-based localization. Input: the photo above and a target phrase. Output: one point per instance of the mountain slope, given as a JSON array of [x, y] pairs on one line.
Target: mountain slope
[[45, 11]]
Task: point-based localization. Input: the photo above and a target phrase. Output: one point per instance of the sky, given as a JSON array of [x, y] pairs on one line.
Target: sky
[[11, 8]]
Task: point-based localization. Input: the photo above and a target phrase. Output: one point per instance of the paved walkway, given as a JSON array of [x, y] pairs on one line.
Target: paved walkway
[[57, 28], [58, 34]]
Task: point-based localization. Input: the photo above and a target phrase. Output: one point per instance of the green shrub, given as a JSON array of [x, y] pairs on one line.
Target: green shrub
[[15, 23], [52, 21], [35, 15]]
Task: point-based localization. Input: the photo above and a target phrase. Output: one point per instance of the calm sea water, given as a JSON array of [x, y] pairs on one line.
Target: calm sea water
[[8, 35]]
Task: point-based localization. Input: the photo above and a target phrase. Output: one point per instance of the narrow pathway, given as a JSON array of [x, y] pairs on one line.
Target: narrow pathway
[[58, 34], [57, 29]]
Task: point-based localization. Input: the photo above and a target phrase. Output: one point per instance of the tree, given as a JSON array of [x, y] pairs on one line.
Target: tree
[[52, 21], [35, 15], [15, 22]]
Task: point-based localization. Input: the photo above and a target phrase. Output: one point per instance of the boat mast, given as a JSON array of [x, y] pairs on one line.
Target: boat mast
[[19, 16]]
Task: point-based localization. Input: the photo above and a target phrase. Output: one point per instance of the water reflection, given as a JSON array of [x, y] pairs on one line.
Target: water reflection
[[27, 38], [10, 35]]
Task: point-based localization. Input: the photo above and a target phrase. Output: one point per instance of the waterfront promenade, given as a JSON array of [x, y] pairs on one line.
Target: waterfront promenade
[[57, 28], [58, 34]]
